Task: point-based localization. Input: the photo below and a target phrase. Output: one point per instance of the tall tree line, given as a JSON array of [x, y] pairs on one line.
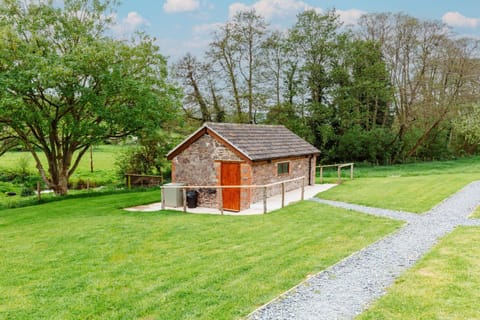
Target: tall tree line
[[391, 89]]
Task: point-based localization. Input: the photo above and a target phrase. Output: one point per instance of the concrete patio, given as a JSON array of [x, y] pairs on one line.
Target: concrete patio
[[273, 203]]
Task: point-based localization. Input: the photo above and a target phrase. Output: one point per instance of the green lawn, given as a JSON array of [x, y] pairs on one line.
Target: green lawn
[[87, 259], [104, 172], [470, 165], [445, 284], [476, 213], [411, 193], [414, 187], [104, 158]]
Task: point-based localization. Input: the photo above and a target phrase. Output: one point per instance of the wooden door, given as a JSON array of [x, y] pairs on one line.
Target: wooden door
[[230, 176]]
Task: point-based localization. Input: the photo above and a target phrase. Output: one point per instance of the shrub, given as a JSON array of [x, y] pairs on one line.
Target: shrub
[[27, 192]]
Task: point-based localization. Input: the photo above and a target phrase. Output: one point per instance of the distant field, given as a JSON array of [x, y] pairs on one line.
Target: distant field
[[411, 187], [445, 284], [87, 259], [470, 165], [104, 158], [104, 169]]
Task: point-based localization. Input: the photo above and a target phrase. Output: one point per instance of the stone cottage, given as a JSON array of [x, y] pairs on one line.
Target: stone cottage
[[241, 154]]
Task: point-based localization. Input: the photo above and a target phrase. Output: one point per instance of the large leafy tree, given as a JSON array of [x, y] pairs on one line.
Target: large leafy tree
[[65, 84]]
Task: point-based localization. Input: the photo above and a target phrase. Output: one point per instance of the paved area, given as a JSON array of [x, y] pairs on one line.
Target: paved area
[[273, 203], [346, 289]]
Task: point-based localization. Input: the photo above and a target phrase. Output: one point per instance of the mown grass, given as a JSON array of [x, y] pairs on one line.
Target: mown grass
[[412, 193], [415, 187], [445, 284], [104, 157], [469, 165], [104, 173], [86, 258], [476, 213]]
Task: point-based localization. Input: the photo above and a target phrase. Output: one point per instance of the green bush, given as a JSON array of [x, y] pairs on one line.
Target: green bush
[[6, 187], [27, 192], [373, 146]]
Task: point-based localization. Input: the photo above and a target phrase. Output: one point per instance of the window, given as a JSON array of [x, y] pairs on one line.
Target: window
[[283, 168]]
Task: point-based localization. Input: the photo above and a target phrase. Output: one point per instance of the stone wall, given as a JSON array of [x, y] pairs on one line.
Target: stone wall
[[200, 164], [266, 173], [196, 166]]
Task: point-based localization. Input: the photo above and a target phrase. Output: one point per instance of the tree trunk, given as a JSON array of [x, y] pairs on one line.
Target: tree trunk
[[200, 100], [58, 167], [61, 188]]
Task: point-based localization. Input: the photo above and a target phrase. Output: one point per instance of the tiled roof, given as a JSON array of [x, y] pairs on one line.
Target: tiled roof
[[262, 142]]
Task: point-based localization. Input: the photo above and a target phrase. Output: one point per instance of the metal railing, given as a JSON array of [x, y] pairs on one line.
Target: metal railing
[[220, 197]]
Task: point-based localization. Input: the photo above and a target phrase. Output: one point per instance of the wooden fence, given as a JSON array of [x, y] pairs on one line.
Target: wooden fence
[[339, 170], [140, 180], [220, 204]]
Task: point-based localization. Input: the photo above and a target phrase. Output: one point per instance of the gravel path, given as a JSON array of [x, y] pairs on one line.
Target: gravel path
[[347, 288]]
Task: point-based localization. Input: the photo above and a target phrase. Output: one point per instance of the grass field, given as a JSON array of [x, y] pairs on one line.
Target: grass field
[[104, 158], [445, 284], [411, 187], [411, 193], [104, 172], [476, 213], [470, 165], [86, 258]]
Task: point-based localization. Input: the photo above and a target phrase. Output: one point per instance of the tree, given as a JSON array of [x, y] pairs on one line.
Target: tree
[[313, 40], [191, 72], [148, 155], [431, 71], [467, 127], [249, 30], [65, 85], [363, 94], [236, 50], [223, 52], [202, 99]]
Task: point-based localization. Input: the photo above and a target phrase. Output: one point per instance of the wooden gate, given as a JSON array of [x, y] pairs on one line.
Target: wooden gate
[[230, 176]]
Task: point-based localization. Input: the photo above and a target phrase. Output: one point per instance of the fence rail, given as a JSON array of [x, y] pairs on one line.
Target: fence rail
[[339, 170], [143, 180], [220, 204]]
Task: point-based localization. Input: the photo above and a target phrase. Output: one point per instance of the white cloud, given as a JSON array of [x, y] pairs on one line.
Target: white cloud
[[271, 8], [351, 16], [456, 19], [206, 28], [171, 6], [132, 22]]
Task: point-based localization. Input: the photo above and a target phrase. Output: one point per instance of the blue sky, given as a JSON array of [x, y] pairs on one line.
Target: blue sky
[[182, 26]]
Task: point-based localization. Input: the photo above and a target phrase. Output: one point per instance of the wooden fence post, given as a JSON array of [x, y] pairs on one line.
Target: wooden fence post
[[264, 200], [351, 171], [129, 183], [184, 192], [303, 188], [39, 194], [220, 200], [283, 194], [339, 173], [88, 184], [91, 159], [162, 194]]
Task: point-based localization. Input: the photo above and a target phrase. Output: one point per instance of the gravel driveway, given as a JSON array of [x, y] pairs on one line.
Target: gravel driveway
[[344, 290]]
